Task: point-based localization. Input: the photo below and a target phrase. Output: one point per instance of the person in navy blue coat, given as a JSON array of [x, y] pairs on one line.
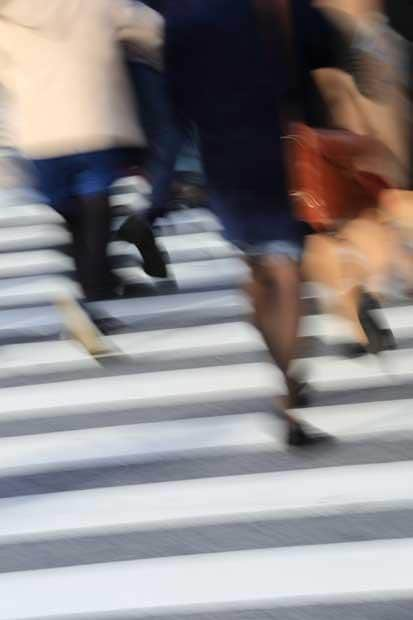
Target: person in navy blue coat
[[235, 84]]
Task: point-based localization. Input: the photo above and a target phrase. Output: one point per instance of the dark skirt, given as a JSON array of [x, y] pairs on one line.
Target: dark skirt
[[249, 191]]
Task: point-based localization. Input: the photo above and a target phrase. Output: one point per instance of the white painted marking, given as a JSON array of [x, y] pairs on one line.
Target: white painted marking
[[143, 442], [133, 201], [192, 341], [366, 571], [29, 215], [36, 358], [150, 345], [291, 494], [227, 303], [36, 290], [210, 244], [325, 373], [42, 319], [18, 264], [215, 301], [331, 373], [133, 443], [327, 327], [202, 219], [206, 273], [143, 346], [400, 320], [126, 391], [219, 304], [32, 237], [334, 329], [363, 420]]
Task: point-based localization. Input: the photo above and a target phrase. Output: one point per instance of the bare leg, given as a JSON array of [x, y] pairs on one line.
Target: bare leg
[[325, 263], [274, 291]]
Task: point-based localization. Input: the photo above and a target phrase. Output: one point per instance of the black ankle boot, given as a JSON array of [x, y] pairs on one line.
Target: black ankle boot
[[137, 231]]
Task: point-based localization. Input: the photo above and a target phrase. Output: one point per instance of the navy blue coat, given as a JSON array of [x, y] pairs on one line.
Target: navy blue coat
[[223, 75]]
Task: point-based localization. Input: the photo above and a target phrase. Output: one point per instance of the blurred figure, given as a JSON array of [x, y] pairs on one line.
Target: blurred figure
[[357, 263], [233, 81], [168, 135], [72, 112], [165, 136]]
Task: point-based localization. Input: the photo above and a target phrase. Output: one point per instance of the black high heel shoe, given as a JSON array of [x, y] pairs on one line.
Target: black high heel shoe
[[379, 335], [301, 435], [353, 350], [299, 391]]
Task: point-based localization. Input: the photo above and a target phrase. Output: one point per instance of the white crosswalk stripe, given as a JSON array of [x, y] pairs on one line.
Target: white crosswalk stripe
[[32, 237], [137, 443], [346, 572], [276, 495], [154, 482]]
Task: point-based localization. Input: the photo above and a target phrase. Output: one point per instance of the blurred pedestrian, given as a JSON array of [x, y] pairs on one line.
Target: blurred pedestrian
[[234, 82], [357, 263], [72, 112], [168, 135]]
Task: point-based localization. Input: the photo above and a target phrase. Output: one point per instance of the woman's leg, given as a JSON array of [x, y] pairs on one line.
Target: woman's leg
[[325, 263], [354, 267], [274, 291], [372, 248]]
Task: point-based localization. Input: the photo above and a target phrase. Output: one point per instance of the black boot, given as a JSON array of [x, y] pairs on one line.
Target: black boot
[[137, 231], [90, 228]]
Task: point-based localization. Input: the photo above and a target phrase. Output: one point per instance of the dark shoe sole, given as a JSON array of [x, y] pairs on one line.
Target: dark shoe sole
[[299, 437], [353, 351]]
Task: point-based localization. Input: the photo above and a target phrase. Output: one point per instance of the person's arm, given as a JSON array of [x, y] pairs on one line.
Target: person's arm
[[141, 28]]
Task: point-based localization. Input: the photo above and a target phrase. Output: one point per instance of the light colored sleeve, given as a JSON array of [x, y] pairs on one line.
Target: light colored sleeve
[[141, 28], [5, 135]]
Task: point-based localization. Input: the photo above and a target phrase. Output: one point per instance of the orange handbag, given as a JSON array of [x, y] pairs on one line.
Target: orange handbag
[[325, 184]]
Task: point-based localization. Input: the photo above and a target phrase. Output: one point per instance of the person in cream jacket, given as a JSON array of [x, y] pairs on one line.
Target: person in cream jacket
[[71, 110]]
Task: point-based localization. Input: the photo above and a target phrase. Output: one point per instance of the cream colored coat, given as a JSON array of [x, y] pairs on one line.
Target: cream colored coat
[[62, 66]]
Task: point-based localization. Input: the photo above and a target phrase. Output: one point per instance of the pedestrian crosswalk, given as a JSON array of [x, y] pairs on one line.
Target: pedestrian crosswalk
[[154, 482], [264, 578]]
